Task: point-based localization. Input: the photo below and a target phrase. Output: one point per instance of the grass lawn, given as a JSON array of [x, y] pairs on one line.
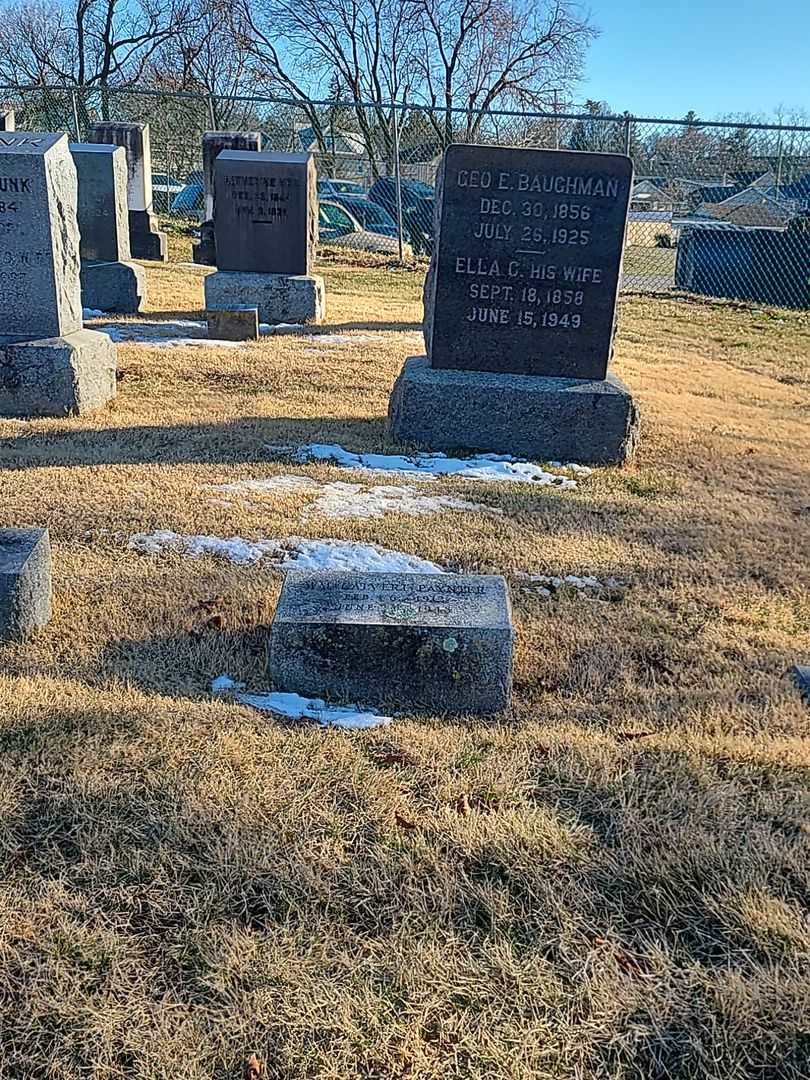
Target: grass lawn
[[613, 881]]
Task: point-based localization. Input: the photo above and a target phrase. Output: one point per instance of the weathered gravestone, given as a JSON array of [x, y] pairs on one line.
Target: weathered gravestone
[[266, 225], [213, 143], [233, 324], [437, 642], [520, 306], [146, 241], [7, 121], [49, 364], [110, 282], [25, 582]]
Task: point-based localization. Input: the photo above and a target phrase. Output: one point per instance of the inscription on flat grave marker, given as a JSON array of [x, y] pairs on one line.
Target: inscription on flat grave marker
[[422, 641], [529, 249]]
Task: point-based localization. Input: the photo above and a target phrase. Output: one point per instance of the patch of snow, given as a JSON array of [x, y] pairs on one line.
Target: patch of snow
[[291, 553], [224, 684], [341, 500], [92, 313], [339, 339], [500, 467], [295, 707], [550, 583], [163, 335]]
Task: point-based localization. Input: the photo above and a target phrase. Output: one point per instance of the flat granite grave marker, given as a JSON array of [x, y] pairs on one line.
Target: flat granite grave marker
[[234, 323], [436, 642], [49, 364], [520, 306], [25, 582], [213, 143], [110, 281], [146, 241], [266, 228]]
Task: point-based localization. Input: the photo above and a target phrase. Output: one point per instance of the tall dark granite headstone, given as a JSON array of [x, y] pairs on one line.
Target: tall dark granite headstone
[[110, 281], [266, 226], [529, 249], [266, 212], [49, 364], [520, 308], [213, 143], [146, 241]]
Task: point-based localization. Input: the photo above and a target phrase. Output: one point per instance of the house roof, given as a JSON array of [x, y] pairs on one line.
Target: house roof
[[344, 142]]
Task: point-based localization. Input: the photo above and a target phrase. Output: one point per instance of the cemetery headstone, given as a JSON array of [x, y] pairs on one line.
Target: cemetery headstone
[[234, 323], [110, 281], [266, 226], [7, 122], [213, 143], [520, 309], [436, 642], [146, 241], [49, 364], [25, 582]]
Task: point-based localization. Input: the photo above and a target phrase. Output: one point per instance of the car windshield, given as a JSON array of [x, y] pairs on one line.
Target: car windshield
[[335, 217], [371, 213]]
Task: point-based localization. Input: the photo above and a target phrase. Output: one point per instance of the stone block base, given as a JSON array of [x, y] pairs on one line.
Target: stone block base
[[440, 643], [115, 287], [204, 252], [233, 324], [60, 376], [280, 298], [25, 582], [145, 239], [545, 419]]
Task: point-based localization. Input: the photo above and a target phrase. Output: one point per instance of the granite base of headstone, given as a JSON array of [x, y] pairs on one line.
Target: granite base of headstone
[[115, 287], [240, 323], [25, 582], [408, 642], [49, 364], [280, 298], [593, 421], [520, 307], [62, 376], [145, 238], [204, 252]]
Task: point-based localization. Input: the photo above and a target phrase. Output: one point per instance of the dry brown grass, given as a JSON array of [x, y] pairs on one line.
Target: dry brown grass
[[613, 881]]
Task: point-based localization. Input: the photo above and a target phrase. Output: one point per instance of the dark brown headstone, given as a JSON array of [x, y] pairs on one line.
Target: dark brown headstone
[[527, 260], [265, 208]]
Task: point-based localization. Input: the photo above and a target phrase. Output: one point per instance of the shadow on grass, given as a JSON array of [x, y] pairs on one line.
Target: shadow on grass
[[207, 865], [249, 439]]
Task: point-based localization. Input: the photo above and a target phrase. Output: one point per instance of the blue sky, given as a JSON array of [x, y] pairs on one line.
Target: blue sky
[[714, 56]]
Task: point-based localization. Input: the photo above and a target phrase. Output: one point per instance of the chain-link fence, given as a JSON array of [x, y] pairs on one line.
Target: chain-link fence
[[721, 209]]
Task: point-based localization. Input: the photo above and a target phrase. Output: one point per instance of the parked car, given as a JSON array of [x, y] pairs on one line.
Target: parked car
[[164, 190], [417, 209], [328, 188], [339, 227], [370, 214], [190, 200]]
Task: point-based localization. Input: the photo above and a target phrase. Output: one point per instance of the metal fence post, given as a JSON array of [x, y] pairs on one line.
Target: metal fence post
[[627, 133], [398, 187], [76, 116], [211, 115]]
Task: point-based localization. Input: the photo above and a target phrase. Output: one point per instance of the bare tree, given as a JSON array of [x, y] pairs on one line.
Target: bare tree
[[477, 55], [92, 43], [304, 48]]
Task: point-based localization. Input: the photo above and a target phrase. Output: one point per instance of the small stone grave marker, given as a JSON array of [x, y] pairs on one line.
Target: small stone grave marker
[[240, 323], [441, 643], [25, 582]]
